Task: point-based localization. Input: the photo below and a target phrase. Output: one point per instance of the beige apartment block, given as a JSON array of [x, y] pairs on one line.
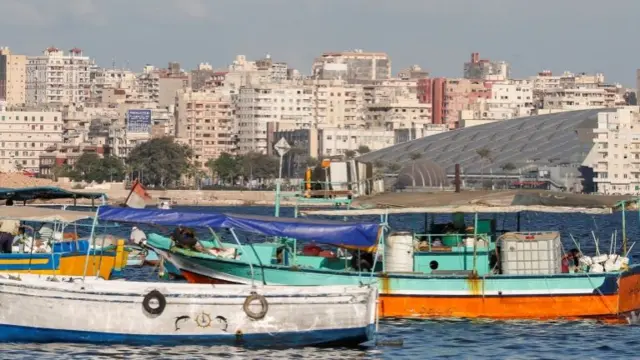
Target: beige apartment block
[[204, 121], [58, 78], [13, 77], [24, 135]]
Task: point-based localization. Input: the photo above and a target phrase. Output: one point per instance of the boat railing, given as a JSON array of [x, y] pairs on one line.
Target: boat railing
[[448, 240]]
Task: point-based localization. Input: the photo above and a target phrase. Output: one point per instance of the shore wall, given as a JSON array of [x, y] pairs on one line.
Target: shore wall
[[207, 197]]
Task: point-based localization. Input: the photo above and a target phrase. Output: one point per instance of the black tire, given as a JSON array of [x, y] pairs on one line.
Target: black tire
[[263, 302], [162, 302]]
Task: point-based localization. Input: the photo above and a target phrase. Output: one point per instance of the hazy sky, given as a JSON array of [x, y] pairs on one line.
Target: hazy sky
[[438, 35]]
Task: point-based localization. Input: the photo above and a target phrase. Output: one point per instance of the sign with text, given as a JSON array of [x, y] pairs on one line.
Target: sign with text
[[139, 121]]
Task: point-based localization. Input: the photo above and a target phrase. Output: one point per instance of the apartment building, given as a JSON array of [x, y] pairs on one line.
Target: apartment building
[[615, 156], [13, 77], [263, 109], [448, 97], [204, 121], [58, 78], [509, 99], [335, 103], [67, 154], [161, 85], [398, 115], [102, 79], [484, 69], [352, 66], [24, 135]]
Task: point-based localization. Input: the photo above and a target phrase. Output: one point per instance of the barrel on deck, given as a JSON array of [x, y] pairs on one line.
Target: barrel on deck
[[398, 252]]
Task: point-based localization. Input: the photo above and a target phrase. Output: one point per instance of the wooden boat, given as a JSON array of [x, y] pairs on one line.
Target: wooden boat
[[459, 278], [44, 310], [66, 257]]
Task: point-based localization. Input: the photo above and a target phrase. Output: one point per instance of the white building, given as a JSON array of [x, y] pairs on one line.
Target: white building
[[266, 108], [400, 114], [615, 156], [102, 79], [509, 99], [336, 103], [336, 141], [575, 99], [56, 78], [24, 135], [352, 66]]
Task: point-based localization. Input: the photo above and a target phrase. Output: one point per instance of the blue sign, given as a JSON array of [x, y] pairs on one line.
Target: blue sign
[[139, 121]]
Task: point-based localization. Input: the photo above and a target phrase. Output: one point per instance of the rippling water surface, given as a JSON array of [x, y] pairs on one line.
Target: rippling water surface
[[443, 339]]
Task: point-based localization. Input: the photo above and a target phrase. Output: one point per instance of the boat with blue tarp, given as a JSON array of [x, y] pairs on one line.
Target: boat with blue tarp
[[90, 310], [461, 268]]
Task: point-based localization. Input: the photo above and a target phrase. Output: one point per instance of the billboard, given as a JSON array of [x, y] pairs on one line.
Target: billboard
[[139, 121]]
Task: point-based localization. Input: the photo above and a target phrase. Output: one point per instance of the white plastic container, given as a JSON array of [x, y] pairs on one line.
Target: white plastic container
[[398, 251], [596, 268], [531, 253]]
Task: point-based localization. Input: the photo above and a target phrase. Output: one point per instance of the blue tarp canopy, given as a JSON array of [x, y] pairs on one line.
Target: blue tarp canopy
[[45, 193], [322, 231]]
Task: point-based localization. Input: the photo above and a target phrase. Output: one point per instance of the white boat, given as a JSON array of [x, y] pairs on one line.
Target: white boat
[[164, 203], [42, 309]]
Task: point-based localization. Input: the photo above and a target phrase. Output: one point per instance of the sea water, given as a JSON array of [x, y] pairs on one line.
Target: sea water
[[421, 339]]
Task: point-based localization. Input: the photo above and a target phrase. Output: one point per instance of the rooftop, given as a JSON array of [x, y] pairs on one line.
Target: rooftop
[[527, 143]]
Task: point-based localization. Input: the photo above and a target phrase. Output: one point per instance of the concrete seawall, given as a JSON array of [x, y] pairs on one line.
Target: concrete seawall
[[202, 197]]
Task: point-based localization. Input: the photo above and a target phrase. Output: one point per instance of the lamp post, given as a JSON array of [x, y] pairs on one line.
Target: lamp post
[[281, 147]]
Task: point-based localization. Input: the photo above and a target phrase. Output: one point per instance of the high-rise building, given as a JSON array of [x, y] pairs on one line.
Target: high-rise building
[[354, 65], [204, 121], [13, 77], [265, 108], [56, 78]]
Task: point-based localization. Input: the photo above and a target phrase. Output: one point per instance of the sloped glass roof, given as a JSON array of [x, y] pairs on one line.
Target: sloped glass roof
[[527, 142]]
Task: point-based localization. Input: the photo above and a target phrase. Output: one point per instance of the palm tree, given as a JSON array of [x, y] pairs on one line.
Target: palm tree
[[485, 155], [414, 157]]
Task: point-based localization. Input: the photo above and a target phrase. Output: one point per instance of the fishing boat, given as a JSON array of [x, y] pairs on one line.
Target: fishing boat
[[164, 203], [468, 271], [67, 309], [89, 309], [60, 252]]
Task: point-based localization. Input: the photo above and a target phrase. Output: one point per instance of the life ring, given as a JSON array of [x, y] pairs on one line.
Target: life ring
[[157, 295], [263, 302]]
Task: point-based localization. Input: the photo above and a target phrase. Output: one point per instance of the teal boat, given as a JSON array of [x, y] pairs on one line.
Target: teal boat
[[452, 270]]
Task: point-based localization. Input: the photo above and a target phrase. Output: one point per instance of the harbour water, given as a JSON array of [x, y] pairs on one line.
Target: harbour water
[[422, 339]]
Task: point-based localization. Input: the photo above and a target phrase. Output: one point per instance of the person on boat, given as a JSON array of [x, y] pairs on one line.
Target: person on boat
[[184, 238], [137, 236], [8, 230], [571, 261], [21, 239]]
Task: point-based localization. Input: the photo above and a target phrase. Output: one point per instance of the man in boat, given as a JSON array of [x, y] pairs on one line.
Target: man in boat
[[8, 230], [185, 238], [137, 236]]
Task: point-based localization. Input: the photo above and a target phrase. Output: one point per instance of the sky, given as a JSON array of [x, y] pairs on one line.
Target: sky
[[439, 35]]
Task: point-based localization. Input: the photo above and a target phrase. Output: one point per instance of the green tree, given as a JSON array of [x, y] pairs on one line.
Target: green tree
[[349, 154], [508, 167], [88, 167], [255, 165], [393, 167], [363, 149], [226, 167], [161, 162], [311, 161], [112, 168]]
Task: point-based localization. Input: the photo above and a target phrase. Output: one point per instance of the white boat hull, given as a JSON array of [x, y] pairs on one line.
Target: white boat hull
[[96, 311]]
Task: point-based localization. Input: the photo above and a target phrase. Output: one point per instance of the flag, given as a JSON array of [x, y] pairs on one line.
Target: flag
[[138, 196]]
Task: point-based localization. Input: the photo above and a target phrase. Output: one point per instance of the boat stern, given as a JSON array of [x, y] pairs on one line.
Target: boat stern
[[629, 295]]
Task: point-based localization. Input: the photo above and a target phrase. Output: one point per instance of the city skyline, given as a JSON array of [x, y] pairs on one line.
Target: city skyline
[[438, 36]]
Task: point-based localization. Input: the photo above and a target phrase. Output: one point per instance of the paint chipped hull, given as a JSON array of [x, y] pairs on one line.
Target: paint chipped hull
[[613, 297], [96, 311]]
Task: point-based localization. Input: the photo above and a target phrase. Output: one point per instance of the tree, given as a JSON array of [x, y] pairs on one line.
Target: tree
[[349, 154], [393, 167], [311, 162], [90, 167], [485, 156], [363, 149], [160, 161], [414, 157], [378, 168], [508, 167], [226, 166], [256, 165]]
